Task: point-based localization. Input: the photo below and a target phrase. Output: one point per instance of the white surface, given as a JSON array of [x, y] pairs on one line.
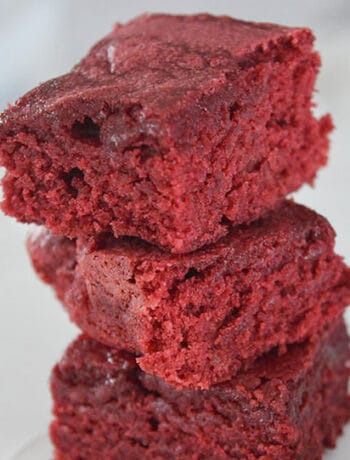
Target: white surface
[[38, 448], [43, 38]]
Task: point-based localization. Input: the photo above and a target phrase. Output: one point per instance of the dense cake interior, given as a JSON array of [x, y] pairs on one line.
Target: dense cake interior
[[162, 151], [288, 407], [200, 318]]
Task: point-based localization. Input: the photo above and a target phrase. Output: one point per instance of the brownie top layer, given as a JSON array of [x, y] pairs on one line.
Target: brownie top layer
[[154, 64]]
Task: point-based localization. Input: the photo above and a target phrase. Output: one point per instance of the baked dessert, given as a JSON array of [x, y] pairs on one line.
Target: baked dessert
[[199, 318], [286, 406], [171, 128], [53, 256]]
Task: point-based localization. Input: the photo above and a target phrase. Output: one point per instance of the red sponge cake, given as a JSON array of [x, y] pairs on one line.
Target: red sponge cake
[[169, 129], [284, 408], [199, 318]]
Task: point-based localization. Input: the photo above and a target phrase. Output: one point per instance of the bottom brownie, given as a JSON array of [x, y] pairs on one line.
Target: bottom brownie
[[287, 406]]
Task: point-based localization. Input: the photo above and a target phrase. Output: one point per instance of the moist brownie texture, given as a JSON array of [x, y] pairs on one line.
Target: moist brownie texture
[[286, 407], [169, 129], [199, 318]]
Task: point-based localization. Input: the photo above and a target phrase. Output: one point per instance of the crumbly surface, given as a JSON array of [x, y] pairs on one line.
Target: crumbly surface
[[199, 318], [169, 129], [285, 407]]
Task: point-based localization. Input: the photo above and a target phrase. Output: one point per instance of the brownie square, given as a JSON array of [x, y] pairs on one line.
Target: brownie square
[[286, 406], [199, 318], [171, 128]]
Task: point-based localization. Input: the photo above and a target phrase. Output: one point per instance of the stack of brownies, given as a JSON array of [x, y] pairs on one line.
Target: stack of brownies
[[211, 306]]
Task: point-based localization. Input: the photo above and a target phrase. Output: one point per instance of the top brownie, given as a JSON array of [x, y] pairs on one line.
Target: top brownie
[[169, 129]]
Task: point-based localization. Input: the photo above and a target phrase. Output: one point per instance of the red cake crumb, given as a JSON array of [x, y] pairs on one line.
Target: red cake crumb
[[169, 129], [199, 318], [60, 254], [285, 407]]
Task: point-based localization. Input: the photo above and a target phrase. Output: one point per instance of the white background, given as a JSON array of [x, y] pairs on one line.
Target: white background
[[41, 39]]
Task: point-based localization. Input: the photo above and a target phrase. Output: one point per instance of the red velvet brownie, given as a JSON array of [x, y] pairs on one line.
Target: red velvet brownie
[[60, 254], [286, 407], [169, 129], [199, 318]]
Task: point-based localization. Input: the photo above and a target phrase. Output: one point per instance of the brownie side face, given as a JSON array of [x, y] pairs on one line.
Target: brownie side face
[[285, 407], [198, 319], [170, 128], [59, 254]]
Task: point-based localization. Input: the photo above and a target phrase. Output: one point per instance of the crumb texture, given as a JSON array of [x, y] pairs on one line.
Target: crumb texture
[[200, 318], [286, 407], [166, 133]]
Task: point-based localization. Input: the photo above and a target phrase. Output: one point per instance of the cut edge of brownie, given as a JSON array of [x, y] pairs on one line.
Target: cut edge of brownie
[[129, 294]]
